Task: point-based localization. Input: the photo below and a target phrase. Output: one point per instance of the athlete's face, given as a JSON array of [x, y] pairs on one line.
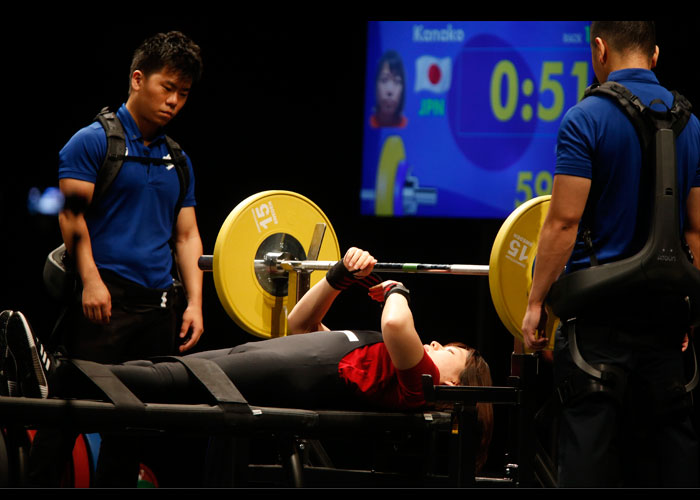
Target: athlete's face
[[450, 360], [158, 97], [389, 89]]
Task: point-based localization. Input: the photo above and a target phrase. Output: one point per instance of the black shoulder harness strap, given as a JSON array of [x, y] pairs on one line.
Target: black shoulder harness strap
[[661, 265], [646, 122], [183, 172], [643, 116], [116, 153], [116, 150]]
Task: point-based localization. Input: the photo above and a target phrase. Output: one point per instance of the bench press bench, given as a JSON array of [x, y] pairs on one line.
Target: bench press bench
[[232, 424]]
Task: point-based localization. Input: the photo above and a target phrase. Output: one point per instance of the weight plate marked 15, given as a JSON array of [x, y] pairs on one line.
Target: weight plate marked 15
[[511, 266], [288, 215]]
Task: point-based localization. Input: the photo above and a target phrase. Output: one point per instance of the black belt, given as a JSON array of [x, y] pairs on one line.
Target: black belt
[[130, 292]]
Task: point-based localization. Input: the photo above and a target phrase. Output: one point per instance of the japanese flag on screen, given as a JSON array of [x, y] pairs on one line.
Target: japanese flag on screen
[[433, 74]]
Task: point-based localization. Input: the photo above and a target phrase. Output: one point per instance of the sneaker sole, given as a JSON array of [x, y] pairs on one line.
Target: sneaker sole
[[4, 354], [36, 368]]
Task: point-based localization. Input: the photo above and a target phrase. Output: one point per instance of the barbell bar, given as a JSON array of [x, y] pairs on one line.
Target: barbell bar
[[273, 263]]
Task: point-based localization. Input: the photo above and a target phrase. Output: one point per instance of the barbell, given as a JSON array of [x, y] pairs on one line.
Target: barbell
[[261, 265], [276, 263]]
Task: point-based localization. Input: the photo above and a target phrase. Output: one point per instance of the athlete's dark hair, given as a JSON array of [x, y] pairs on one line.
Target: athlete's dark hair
[[173, 50], [477, 373], [626, 35]]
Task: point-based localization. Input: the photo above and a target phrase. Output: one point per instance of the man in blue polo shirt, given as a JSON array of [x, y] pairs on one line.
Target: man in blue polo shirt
[[125, 238], [642, 436], [122, 246]]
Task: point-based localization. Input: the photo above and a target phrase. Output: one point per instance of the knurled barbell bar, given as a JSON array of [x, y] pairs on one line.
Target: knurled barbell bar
[[275, 262]]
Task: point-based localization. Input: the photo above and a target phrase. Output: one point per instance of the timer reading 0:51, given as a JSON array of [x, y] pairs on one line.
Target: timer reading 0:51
[[505, 106]]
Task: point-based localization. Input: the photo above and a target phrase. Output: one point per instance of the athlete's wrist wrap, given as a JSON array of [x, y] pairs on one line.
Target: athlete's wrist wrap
[[396, 288], [339, 277], [369, 281]]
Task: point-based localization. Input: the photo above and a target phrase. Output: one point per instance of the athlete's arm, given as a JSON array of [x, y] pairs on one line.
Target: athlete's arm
[[398, 329], [307, 315]]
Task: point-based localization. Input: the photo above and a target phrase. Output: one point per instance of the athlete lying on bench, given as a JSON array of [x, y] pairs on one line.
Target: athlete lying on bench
[[319, 369]]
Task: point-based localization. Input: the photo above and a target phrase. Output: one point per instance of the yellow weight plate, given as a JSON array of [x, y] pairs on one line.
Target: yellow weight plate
[[393, 153], [265, 222], [511, 266]]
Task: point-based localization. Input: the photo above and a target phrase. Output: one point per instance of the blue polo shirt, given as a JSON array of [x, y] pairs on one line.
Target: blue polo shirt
[[596, 140], [132, 224]]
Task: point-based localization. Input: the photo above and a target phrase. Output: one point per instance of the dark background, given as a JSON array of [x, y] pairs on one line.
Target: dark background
[[279, 107]]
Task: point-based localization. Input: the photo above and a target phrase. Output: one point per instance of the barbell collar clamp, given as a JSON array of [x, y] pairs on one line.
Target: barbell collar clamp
[[206, 262]]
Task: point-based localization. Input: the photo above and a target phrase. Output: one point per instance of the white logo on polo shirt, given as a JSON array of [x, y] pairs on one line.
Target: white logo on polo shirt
[[171, 165]]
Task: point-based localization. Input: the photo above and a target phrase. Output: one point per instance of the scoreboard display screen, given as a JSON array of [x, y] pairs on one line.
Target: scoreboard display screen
[[461, 118]]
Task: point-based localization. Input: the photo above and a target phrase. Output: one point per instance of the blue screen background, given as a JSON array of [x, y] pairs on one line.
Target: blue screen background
[[483, 140]]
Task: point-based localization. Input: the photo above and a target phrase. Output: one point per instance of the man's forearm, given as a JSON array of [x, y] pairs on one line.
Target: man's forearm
[[188, 252], [78, 245], [692, 233], [693, 240], [556, 242], [558, 233]]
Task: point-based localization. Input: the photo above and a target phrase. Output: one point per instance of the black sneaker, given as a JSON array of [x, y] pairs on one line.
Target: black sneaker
[[8, 370], [4, 352], [33, 362]]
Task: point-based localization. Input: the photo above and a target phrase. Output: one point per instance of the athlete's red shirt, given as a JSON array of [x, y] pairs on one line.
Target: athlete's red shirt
[[369, 371]]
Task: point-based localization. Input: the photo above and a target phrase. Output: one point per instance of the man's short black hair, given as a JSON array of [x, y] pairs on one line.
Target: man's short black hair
[[627, 35], [173, 50]]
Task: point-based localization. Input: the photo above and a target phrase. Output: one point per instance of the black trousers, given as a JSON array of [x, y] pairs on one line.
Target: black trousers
[[144, 323], [644, 436], [296, 371]]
